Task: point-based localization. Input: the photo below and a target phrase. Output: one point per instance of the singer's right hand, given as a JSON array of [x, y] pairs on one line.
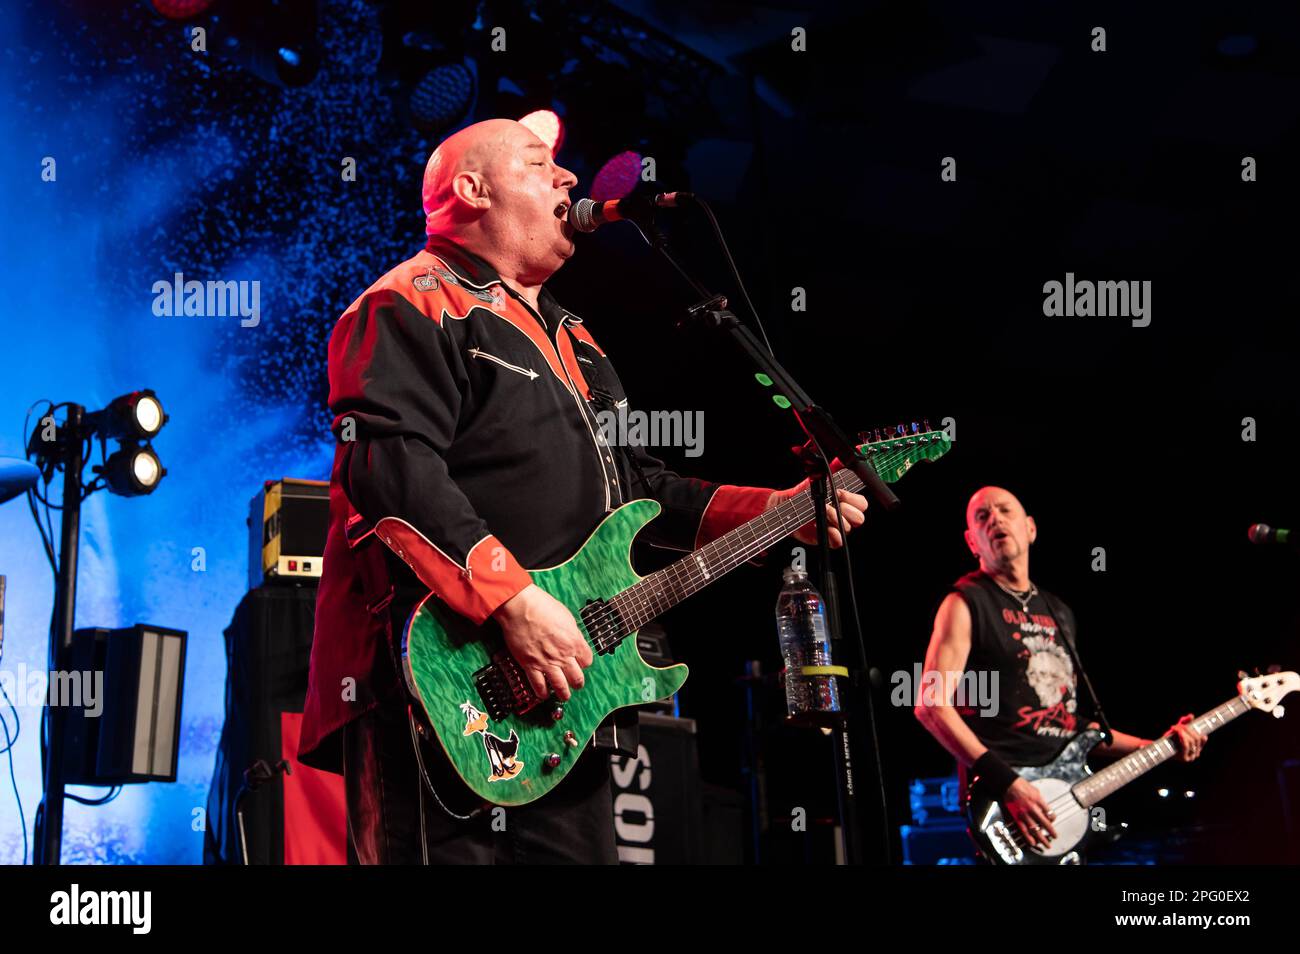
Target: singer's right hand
[[544, 638]]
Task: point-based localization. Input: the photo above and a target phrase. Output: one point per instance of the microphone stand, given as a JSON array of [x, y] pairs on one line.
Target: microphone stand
[[826, 442]]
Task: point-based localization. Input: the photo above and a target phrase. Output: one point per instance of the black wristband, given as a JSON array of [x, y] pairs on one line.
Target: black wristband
[[993, 773]]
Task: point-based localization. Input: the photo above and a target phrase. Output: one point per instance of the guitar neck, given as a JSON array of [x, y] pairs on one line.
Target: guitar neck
[[1136, 764], [664, 589]]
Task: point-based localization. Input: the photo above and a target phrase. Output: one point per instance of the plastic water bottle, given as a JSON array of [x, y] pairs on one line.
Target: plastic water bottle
[[801, 623]]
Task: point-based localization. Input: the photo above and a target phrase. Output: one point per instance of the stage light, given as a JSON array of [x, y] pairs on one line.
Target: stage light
[[135, 734], [135, 416], [546, 126], [289, 66], [277, 42], [442, 97], [617, 178], [132, 470]]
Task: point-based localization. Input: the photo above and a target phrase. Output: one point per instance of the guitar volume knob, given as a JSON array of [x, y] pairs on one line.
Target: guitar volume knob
[[551, 761]]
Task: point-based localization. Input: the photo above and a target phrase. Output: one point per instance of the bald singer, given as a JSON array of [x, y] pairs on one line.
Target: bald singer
[[465, 403]]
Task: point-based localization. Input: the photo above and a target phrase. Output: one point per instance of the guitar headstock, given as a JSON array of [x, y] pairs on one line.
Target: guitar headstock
[[1266, 692], [893, 451]]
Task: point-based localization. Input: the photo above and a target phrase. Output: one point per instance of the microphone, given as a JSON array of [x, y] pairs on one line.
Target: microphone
[[1263, 533], [587, 215]]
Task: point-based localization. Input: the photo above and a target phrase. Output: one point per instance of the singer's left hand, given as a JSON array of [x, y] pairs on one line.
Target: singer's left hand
[[853, 506]]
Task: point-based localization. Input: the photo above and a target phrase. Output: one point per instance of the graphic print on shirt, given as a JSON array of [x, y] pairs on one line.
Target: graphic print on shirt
[[501, 752], [1049, 672], [427, 282]]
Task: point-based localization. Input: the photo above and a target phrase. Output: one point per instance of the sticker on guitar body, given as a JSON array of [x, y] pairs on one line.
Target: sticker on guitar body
[[500, 752]]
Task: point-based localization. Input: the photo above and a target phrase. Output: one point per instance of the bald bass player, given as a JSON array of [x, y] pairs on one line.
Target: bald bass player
[[997, 620]]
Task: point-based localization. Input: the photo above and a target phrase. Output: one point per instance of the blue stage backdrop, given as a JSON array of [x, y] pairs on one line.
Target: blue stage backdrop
[[129, 159], [168, 161]]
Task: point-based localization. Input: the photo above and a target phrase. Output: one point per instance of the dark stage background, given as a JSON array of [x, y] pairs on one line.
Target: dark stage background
[[924, 299]]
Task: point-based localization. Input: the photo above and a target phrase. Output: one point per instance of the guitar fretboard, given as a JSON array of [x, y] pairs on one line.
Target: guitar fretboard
[[664, 589], [1136, 764]]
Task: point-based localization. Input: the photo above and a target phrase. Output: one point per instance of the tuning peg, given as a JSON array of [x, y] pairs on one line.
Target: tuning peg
[[1274, 669], [916, 427], [1279, 712], [925, 424], [1241, 674]]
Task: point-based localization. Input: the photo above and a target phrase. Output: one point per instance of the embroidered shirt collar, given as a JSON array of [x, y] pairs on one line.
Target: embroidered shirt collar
[[476, 270]]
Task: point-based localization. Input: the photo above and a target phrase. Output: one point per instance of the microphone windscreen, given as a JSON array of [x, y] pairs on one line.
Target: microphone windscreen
[[581, 215]]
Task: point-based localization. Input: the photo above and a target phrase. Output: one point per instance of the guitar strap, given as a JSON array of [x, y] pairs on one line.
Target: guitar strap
[[1067, 638]]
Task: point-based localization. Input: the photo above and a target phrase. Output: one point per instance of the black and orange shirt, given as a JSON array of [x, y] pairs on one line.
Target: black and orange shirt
[[469, 444]]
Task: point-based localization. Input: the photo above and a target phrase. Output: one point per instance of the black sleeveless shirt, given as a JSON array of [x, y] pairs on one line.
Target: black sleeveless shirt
[[1035, 706]]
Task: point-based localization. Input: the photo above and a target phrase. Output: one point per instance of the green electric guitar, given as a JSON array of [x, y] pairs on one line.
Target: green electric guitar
[[509, 746]]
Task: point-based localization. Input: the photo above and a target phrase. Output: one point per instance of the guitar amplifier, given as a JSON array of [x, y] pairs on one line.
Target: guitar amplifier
[[935, 801], [287, 524], [938, 844], [657, 795], [300, 818], [937, 835]]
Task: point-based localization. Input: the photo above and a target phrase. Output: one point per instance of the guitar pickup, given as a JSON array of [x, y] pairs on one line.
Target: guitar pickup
[[504, 688], [604, 624]]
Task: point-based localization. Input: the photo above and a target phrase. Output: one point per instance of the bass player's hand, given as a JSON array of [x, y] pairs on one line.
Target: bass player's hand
[[1187, 737], [1025, 805], [544, 638]]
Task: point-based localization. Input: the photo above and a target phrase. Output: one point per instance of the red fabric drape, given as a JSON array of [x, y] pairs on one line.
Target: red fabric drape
[[315, 816]]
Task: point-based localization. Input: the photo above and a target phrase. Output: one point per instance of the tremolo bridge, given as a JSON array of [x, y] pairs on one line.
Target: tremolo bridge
[[504, 688]]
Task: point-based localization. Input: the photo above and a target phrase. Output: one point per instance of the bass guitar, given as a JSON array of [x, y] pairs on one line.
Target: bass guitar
[[1071, 789]]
